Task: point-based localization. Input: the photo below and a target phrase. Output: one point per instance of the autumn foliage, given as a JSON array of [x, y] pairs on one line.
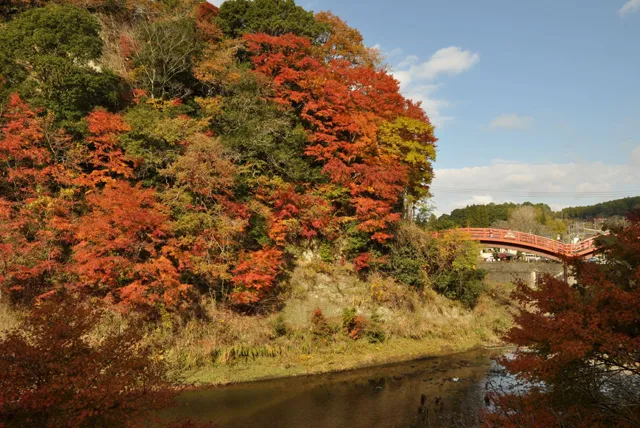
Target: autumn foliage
[[223, 144], [154, 152], [579, 345], [343, 106], [52, 374]]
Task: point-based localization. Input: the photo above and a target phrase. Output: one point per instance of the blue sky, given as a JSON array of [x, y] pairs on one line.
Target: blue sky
[[533, 100]]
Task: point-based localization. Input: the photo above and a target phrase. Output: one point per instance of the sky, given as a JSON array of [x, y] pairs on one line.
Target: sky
[[532, 100]]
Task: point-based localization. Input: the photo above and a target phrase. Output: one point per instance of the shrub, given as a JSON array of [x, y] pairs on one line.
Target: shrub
[[326, 252], [280, 328], [352, 324], [52, 375], [320, 328], [374, 331], [447, 263], [465, 286]]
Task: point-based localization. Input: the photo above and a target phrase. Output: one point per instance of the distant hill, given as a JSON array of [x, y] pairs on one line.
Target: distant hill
[[618, 207], [486, 215], [481, 215]]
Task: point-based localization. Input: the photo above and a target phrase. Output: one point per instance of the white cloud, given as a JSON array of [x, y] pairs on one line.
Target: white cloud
[[216, 2], [558, 185], [635, 156], [629, 7], [418, 79], [452, 60], [512, 122], [432, 105]]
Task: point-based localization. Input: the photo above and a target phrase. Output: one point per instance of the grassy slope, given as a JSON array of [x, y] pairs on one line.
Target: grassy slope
[[234, 348], [229, 347]]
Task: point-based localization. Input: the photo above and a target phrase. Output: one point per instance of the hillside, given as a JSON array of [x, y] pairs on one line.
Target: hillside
[[215, 139], [618, 207], [233, 184], [483, 215]]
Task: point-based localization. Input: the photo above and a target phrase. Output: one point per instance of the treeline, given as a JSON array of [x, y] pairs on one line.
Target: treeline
[[151, 151], [618, 207], [484, 215], [498, 215]]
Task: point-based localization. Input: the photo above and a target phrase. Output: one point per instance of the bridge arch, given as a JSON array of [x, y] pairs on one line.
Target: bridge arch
[[531, 243]]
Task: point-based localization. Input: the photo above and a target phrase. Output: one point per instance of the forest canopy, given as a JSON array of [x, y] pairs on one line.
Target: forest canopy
[[151, 151]]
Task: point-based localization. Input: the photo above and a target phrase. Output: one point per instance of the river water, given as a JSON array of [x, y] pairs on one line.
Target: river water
[[452, 389]]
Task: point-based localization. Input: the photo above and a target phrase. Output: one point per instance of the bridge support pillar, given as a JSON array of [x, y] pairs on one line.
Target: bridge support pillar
[[565, 272]]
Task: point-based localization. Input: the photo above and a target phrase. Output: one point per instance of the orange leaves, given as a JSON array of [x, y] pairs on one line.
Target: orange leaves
[[309, 212], [24, 154], [256, 274], [34, 217], [123, 245], [293, 215], [343, 105], [362, 261], [205, 13], [345, 42], [205, 169], [105, 158]]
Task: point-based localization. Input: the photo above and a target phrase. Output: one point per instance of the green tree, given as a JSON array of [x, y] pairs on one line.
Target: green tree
[[273, 17], [50, 55], [476, 215], [447, 263], [267, 138], [158, 131], [618, 207]]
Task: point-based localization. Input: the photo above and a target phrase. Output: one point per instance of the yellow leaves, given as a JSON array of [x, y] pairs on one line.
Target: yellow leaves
[[218, 65], [163, 105], [211, 106], [412, 142], [346, 43]]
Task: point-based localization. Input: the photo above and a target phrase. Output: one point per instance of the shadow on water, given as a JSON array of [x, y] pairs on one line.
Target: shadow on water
[[451, 390]]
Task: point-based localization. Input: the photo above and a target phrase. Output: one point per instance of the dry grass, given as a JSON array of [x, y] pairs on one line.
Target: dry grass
[[9, 318], [225, 346], [225, 337], [230, 347]]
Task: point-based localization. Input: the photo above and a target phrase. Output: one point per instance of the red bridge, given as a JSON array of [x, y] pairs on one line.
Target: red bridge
[[531, 243]]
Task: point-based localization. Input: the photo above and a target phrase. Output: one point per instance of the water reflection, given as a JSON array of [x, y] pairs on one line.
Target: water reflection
[[451, 390]]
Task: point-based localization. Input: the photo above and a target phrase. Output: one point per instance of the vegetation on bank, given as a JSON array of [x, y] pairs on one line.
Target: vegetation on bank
[[198, 173], [328, 317], [155, 152], [331, 320]]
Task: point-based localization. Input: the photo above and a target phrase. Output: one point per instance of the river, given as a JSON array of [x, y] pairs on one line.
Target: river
[[452, 388]]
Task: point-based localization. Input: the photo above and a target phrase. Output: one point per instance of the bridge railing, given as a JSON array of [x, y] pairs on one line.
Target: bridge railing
[[539, 242], [584, 246]]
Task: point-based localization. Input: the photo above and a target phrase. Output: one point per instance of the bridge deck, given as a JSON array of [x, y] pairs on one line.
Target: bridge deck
[[531, 242]]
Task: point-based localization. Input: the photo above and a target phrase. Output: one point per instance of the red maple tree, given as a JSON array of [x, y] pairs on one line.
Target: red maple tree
[[55, 373], [579, 345], [35, 212], [124, 251], [342, 106]]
